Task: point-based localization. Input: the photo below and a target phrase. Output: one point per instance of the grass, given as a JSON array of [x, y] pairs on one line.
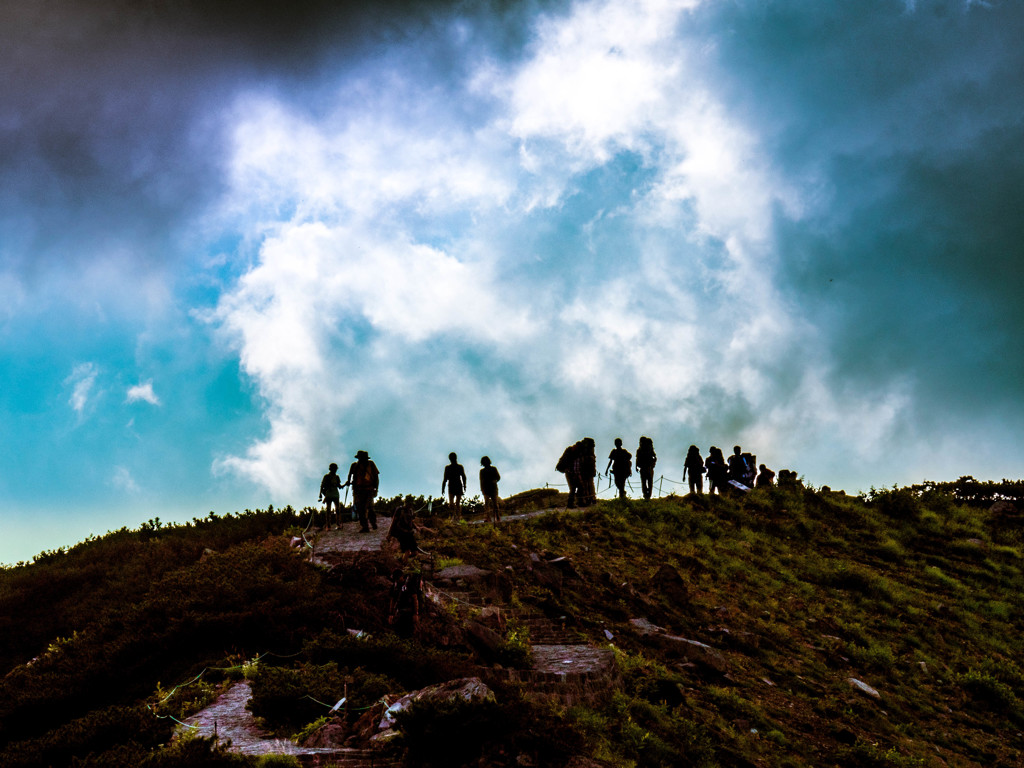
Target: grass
[[917, 592]]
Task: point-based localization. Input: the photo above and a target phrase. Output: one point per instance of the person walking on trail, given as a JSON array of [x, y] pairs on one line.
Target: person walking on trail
[[620, 462], [718, 471], [489, 477], [330, 494], [646, 458], [455, 481], [363, 476], [404, 603], [403, 530], [568, 465], [694, 464], [587, 463]]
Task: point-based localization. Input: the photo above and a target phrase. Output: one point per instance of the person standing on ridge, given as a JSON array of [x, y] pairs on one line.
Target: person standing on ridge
[[718, 472], [765, 478], [694, 464], [364, 479], [587, 458], [330, 493], [568, 465], [738, 466], [646, 458], [620, 462], [455, 481], [489, 477]]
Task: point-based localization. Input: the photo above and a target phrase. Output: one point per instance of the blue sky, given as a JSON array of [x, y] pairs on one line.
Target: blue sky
[[241, 240]]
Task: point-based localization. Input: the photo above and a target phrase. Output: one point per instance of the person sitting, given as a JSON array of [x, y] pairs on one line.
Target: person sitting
[[765, 478]]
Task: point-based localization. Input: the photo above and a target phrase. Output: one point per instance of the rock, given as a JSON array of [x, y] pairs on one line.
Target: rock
[[487, 637], [470, 689], [694, 650], [668, 582], [464, 572], [1003, 507], [644, 627], [295, 542], [332, 735], [863, 688]]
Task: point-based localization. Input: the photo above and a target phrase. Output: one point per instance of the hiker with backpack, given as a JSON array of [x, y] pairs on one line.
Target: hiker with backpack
[[646, 458], [568, 465], [717, 469], [364, 478], [620, 462], [330, 494], [587, 463], [489, 477], [694, 464]]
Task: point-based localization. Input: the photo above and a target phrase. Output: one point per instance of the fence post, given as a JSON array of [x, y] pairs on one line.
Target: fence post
[[660, 481]]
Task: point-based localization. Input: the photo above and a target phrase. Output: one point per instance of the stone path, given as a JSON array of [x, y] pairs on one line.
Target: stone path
[[229, 720], [566, 667]]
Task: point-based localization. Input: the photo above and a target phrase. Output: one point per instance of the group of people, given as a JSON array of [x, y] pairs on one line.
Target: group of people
[[579, 465], [364, 479], [455, 482], [739, 471]]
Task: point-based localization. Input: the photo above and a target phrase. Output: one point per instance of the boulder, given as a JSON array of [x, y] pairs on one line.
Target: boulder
[[644, 627], [331, 736], [863, 687], [470, 689], [695, 651], [467, 573], [485, 636]]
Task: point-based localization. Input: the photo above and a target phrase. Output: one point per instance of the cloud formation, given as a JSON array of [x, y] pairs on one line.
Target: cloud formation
[[417, 229], [143, 392]]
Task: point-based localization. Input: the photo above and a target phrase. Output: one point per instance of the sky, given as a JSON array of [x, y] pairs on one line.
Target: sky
[[241, 240]]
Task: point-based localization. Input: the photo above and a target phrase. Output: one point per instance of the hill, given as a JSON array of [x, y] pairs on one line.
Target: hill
[[786, 627]]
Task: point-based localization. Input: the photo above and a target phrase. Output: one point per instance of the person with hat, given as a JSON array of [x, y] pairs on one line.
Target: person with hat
[[363, 476]]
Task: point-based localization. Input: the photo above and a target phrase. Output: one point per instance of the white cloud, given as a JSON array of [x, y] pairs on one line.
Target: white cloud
[[122, 480], [82, 382], [143, 391], [392, 303]]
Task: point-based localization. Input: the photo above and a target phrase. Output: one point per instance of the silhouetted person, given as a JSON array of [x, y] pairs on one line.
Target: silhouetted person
[[646, 458], [718, 471], [330, 492], [489, 477], [765, 478], [588, 471], [568, 465], [694, 464], [455, 480], [403, 530], [404, 603], [737, 465], [364, 479], [620, 462]]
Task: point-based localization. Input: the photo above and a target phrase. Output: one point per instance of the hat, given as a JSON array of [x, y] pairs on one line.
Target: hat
[[362, 455]]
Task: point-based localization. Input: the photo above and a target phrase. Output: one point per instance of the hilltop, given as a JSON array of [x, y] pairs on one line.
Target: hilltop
[[786, 627]]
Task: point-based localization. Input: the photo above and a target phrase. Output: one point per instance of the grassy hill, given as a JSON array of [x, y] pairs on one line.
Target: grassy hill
[[833, 631]]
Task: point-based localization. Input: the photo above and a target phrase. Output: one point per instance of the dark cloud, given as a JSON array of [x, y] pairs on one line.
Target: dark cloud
[[109, 128], [900, 127]]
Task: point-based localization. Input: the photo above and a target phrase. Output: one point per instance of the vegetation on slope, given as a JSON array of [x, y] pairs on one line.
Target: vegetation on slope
[[914, 592]]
